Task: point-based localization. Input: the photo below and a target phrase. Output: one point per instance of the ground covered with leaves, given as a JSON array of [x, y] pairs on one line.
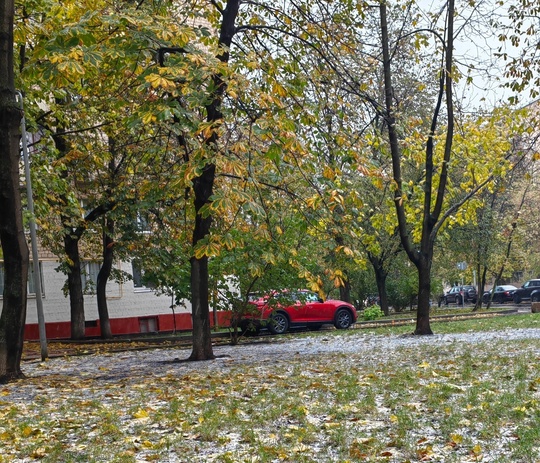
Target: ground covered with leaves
[[325, 397]]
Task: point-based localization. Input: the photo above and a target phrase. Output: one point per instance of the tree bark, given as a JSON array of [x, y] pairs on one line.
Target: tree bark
[[76, 296], [380, 278], [202, 187], [71, 250], [12, 237], [345, 290], [424, 294], [103, 277], [202, 340]]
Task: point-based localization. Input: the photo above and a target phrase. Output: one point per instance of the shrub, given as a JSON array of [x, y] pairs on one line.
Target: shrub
[[373, 312]]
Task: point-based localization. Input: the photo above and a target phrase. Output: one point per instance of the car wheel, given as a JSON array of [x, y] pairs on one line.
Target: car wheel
[[535, 298], [517, 299], [343, 319], [278, 323]]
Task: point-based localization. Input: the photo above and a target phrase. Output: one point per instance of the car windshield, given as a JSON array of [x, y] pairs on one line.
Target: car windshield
[[310, 297]]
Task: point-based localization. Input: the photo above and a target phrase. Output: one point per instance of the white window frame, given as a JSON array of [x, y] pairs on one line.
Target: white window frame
[[30, 287], [89, 274], [137, 273]]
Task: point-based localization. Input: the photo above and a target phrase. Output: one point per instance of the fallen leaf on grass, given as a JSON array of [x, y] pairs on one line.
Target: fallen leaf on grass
[[141, 414], [425, 453]]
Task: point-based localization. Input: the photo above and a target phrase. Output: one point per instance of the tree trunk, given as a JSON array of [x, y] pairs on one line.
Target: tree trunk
[[103, 277], [380, 278], [424, 293], [345, 290], [202, 339], [76, 297], [71, 250], [432, 205], [202, 187], [12, 238]]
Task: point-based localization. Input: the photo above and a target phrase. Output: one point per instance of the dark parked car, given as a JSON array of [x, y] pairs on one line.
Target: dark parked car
[[503, 293], [535, 295], [284, 309], [460, 295], [524, 293]]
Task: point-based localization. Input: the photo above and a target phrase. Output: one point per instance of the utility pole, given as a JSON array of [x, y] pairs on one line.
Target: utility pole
[[33, 237]]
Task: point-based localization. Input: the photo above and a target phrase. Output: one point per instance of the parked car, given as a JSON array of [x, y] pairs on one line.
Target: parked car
[[282, 310], [503, 293], [535, 295], [524, 293], [460, 295]]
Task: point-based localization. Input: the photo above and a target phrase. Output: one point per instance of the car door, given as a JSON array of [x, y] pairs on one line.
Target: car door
[[315, 309], [499, 294], [452, 294], [529, 287], [295, 306], [534, 286]]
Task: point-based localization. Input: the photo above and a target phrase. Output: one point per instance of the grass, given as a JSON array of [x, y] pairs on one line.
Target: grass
[[420, 402], [479, 321]]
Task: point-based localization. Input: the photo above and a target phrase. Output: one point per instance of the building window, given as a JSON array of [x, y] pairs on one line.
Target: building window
[[89, 274], [142, 222], [32, 279], [31, 282], [139, 281]]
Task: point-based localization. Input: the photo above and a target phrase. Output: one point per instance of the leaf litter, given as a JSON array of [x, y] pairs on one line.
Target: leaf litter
[[326, 397]]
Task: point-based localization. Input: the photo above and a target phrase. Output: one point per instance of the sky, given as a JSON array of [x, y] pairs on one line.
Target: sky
[[476, 47]]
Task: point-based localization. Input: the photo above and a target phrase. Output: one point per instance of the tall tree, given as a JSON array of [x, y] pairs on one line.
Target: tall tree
[[203, 186], [78, 49], [12, 237]]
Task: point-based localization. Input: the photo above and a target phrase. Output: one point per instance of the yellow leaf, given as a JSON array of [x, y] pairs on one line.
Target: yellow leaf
[[141, 414], [301, 448], [394, 419], [329, 173], [477, 449], [148, 117], [39, 453]]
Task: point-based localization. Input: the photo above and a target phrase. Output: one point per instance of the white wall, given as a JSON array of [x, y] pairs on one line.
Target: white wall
[[122, 300]]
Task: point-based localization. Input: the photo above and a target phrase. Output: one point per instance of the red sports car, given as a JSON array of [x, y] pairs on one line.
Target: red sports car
[[282, 310]]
